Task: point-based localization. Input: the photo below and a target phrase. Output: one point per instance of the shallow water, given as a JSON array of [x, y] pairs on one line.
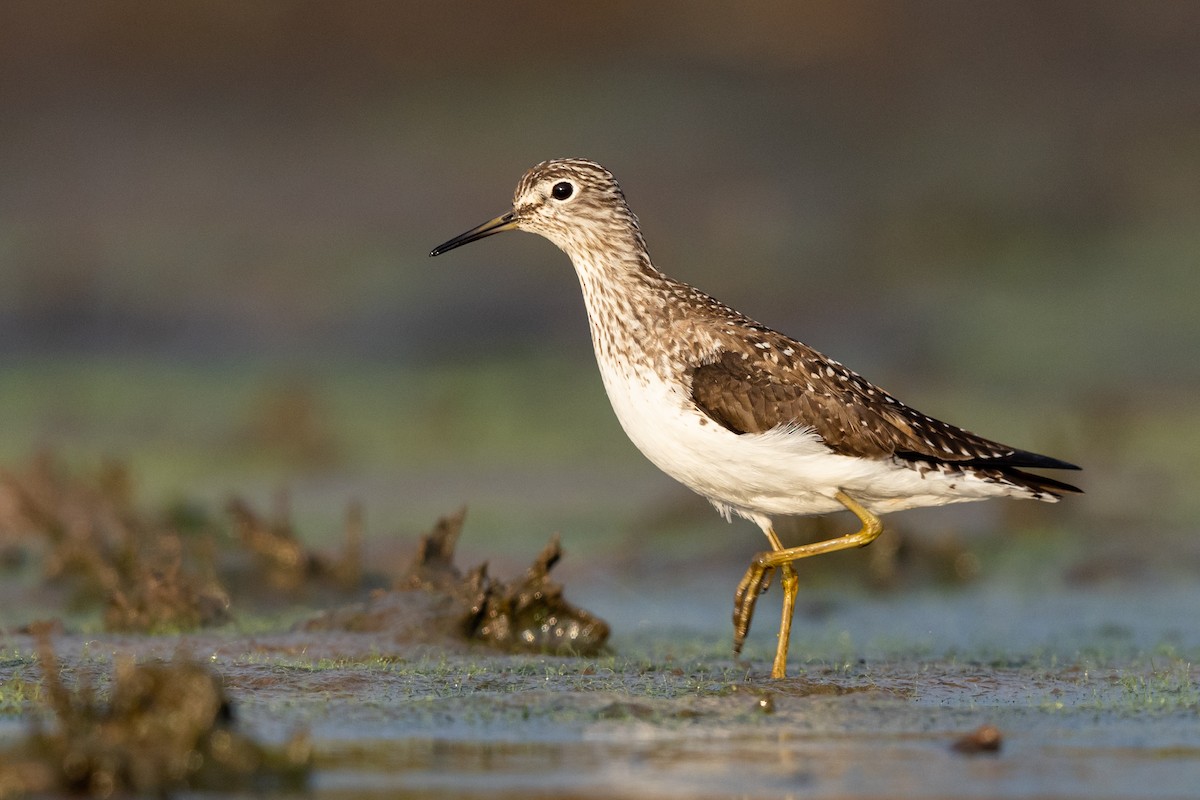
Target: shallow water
[[1093, 691], [1090, 681]]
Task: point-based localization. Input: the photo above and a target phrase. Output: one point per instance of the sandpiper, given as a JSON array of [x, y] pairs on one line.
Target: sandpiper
[[756, 422]]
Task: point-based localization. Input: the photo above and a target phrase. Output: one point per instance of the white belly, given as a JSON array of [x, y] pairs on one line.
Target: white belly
[[785, 471]]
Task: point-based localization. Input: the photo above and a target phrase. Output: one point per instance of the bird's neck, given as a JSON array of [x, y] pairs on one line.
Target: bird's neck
[[627, 302]]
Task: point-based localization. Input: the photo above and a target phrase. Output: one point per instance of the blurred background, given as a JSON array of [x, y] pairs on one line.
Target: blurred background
[[215, 219]]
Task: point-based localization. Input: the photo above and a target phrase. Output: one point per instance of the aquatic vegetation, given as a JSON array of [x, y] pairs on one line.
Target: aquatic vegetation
[[164, 726], [435, 602]]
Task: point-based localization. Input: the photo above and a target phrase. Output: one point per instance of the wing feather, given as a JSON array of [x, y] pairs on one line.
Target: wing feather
[[776, 381]]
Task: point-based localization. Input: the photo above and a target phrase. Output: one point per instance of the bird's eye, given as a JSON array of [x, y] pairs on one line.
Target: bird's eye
[[562, 190]]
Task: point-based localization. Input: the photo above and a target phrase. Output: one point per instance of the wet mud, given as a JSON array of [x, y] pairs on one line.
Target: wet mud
[[425, 679], [436, 603]]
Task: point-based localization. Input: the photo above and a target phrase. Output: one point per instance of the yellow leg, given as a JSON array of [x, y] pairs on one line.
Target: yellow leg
[[791, 587], [754, 581]]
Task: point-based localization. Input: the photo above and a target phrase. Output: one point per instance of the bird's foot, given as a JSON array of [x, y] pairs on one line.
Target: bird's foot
[[754, 583]]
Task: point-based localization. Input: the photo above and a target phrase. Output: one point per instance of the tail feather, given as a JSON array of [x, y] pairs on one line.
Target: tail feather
[[1011, 459], [1039, 484], [1024, 458]]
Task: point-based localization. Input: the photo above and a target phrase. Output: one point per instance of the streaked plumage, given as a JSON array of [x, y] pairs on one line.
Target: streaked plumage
[[751, 419]]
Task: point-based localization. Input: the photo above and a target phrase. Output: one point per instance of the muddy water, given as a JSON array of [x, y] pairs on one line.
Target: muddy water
[[1084, 706], [1093, 691], [1084, 665]]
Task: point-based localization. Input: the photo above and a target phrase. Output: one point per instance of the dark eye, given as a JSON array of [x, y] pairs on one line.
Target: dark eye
[[562, 191]]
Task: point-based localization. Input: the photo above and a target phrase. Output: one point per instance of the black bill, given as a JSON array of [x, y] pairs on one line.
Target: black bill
[[504, 222]]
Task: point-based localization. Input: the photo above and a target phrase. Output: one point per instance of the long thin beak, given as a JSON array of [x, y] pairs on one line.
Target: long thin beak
[[504, 222]]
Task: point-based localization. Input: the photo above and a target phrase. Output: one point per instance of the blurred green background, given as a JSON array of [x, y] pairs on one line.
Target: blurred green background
[[214, 221]]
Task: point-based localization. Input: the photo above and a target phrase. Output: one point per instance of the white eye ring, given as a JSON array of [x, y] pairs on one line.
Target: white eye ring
[[562, 190]]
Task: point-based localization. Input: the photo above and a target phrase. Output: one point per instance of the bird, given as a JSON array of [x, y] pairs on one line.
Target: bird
[[756, 422]]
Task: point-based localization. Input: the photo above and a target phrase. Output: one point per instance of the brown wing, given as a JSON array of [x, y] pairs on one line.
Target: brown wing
[[776, 381]]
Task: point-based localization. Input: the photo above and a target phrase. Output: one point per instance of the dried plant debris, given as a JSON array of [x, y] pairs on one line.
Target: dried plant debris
[[165, 727], [154, 592], [284, 564], [147, 574], [164, 573], [434, 602]]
